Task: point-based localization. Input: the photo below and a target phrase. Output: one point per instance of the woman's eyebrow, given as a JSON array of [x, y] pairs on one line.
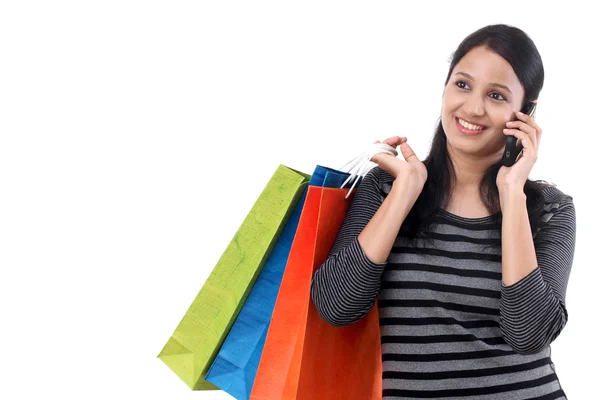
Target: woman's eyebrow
[[491, 84]]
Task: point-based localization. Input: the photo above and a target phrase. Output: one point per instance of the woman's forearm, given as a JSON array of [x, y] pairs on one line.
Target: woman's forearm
[[518, 250], [379, 235]]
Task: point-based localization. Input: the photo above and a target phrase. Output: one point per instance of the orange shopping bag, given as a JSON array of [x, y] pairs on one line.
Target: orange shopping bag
[[304, 357]]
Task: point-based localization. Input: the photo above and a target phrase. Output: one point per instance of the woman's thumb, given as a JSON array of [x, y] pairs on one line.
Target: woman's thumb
[[408, 153]]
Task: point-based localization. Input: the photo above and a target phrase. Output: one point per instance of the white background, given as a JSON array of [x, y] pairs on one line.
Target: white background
[[136, 136]]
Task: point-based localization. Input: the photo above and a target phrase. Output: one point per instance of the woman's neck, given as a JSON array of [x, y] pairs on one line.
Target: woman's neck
[[469, 169]]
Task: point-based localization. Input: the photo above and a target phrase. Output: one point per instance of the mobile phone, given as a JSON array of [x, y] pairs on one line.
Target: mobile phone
[[513, 147]]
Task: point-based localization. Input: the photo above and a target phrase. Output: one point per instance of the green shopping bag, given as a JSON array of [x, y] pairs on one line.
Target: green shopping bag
[[197, 339]]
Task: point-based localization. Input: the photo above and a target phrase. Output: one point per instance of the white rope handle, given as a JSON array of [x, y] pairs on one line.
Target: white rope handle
[[360, 165]]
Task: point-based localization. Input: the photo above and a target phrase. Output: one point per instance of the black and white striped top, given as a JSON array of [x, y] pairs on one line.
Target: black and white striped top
[[450, 329]]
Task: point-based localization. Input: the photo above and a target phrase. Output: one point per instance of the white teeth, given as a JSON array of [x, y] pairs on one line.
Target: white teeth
[[470, 126]]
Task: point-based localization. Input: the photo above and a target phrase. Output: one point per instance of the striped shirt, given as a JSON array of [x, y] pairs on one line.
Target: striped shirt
[[450, 328]]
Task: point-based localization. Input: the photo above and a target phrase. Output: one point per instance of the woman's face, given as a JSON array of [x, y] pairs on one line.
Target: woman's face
[[483, 90]]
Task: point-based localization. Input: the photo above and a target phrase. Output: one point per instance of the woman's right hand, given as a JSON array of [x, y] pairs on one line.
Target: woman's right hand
[[408, 172]]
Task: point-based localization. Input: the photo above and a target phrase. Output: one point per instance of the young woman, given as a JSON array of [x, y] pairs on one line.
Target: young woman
[[467, 259]]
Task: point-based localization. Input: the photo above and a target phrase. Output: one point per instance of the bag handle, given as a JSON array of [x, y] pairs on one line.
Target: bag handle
[[360, 165]]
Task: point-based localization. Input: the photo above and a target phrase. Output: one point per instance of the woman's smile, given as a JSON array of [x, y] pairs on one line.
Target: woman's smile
[[469, 129]]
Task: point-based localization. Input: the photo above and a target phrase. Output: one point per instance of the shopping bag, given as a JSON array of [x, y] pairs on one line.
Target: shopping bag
[[337, 362], [304, 357], [235, 366], [298, 360], [198, 337]]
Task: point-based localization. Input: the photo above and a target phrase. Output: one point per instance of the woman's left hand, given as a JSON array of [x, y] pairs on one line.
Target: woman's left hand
[[530, 134]]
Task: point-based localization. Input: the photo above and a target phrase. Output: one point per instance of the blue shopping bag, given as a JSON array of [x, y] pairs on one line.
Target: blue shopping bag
[[236, 364]]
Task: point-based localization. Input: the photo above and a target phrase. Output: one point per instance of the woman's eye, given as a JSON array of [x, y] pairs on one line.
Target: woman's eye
[[502, 97], [459, 83]]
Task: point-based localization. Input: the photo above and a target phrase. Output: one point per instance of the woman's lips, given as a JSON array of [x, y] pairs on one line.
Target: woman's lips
[[467, 131]]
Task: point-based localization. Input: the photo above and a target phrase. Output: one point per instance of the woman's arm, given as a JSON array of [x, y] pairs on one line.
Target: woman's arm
[[345, 287], [535, 274]]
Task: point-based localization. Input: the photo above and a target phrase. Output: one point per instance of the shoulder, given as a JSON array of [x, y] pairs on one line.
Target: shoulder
[[380, 179], [555, 200], [558, 208], [552, 194]]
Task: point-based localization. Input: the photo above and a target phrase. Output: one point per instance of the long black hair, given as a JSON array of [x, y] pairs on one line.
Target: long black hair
[[520, 52]]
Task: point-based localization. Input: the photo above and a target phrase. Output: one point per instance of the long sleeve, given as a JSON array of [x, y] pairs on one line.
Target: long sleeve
[[345, 287], [533, 310]]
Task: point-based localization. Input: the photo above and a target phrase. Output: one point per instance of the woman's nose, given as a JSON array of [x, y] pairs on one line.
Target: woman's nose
[[474, 106]]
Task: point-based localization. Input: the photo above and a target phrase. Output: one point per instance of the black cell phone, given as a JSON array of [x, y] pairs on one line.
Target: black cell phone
[[513, 147]]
